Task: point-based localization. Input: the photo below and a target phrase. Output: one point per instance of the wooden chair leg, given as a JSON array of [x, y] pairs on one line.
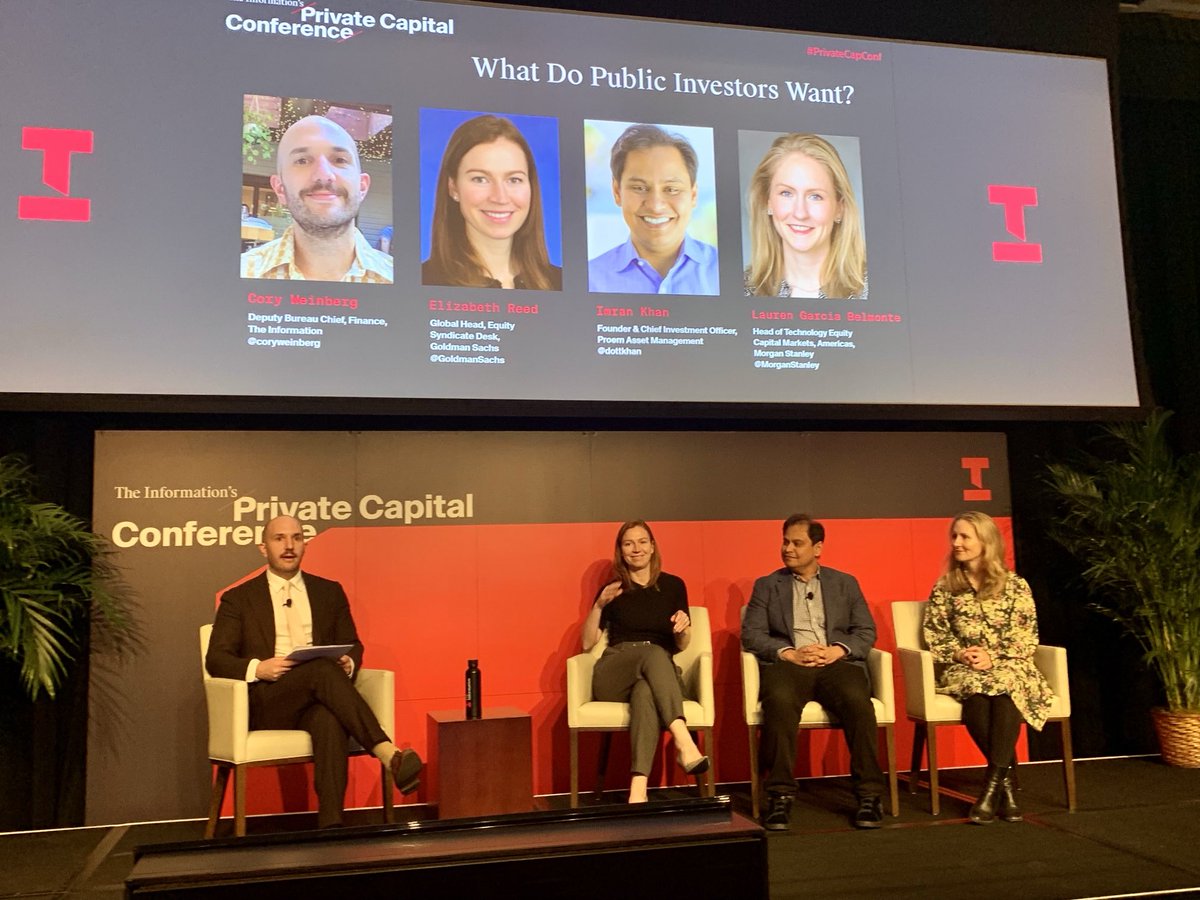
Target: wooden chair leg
[[1068, 763], [710, 751], [239, 801], [1013, 770], [707, 785], [574, 768], [890, 739], [935, 801], [602, 763], [389, 806], [218, 797], [918, 747], [754, 773]]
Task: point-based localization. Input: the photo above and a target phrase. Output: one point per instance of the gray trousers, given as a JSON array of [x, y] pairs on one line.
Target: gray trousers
[[645, 677]]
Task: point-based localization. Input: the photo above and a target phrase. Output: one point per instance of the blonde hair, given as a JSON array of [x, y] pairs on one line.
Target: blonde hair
[[993, 572], [843, 273]]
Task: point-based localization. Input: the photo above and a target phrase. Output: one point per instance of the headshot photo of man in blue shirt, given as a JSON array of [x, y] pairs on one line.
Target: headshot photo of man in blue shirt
[[661, 236]]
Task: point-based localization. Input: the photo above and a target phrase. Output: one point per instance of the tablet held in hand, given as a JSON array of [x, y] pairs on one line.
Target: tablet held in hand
[[333, 651]]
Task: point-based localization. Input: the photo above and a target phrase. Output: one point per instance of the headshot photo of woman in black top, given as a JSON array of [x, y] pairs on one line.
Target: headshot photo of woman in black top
[[645, 612], [488, 220]]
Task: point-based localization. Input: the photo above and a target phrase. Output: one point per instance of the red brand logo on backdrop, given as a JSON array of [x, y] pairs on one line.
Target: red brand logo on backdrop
[[1014, 199], [56, 145], [975, 465]]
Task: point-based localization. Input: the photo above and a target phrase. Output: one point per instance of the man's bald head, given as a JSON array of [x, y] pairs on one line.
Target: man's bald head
[[304, 133], [283, 545], [318, 176]]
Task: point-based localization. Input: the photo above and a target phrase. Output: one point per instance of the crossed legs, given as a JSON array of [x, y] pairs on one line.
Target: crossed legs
[[645, 677], [318, 698]]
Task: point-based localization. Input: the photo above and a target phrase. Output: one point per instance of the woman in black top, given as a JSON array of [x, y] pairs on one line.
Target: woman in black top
[[645, 612]]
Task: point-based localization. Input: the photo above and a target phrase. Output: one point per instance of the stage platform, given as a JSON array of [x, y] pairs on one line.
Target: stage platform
[[1136, 831], [711, 852]]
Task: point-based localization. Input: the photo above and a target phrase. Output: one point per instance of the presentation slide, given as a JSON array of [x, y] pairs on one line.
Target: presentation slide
[[445, 202]]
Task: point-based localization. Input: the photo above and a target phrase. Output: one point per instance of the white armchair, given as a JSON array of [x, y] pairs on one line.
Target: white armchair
[[814, 715], [586, 714], [233, 747], [928, 709]]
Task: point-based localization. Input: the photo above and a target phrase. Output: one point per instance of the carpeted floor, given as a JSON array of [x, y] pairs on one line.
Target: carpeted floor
[[1137, 830]]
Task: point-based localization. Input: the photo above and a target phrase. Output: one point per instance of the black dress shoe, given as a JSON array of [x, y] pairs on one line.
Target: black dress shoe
[[779, 813], [406, 768], [1009, 810], [984, 810], [870, 813]]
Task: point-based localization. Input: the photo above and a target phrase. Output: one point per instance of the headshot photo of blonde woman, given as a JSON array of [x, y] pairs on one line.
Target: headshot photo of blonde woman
[[802, 228]]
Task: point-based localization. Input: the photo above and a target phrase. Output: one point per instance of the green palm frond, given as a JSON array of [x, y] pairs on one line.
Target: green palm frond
[[1133, 521], [57, 582]]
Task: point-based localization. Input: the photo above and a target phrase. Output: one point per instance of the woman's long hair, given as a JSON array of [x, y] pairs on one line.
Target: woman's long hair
[[621, 571], [451, 252], [843, 274], [992, 571]]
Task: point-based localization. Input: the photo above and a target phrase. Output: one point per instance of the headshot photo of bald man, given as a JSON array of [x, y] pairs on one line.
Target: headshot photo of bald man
[[310, 173]]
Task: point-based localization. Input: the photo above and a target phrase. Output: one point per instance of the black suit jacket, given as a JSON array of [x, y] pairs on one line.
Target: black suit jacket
[[245, 625], [767, 627]]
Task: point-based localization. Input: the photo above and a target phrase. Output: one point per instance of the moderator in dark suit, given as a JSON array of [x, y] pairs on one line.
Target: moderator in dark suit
[[838, 681], [245, 624], [316, 696]]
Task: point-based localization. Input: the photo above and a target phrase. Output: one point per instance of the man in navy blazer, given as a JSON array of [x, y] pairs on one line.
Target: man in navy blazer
[[811, 630], [259, 623]]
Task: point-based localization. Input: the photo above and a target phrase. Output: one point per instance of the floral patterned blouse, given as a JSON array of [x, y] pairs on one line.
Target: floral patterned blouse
[[785, 289], [1006, 625]]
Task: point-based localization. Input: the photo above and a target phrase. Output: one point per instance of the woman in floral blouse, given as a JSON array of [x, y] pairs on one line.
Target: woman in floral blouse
[[981, 627]]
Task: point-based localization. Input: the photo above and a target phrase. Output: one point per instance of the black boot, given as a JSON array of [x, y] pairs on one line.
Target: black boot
[[984, 810], [1009, 811]]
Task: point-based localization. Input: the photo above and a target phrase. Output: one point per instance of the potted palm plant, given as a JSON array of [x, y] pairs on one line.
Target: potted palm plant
[[57, 584], [1132, 520]]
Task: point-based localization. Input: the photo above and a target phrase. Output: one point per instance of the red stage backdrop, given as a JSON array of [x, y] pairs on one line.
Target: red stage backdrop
[[491, 546]]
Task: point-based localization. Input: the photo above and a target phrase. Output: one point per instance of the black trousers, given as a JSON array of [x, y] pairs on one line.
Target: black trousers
[[317, 697], [994, 724], [840, 687]]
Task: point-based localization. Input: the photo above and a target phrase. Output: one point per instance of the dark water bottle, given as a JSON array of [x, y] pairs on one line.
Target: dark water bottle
[[474, 701]]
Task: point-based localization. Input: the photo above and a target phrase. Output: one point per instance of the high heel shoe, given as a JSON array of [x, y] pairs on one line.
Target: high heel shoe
[[696, 769]]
